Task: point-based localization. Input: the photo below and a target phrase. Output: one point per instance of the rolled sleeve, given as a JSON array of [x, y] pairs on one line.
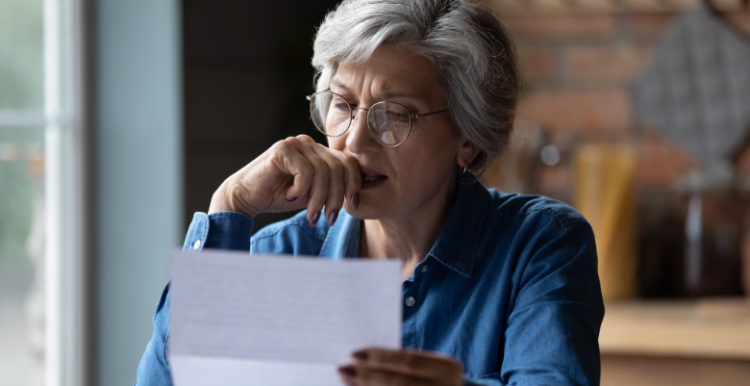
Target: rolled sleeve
[[223, 230]]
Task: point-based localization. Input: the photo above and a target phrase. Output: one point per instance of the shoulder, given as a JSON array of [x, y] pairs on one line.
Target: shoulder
[[290, 236], [533, 209]]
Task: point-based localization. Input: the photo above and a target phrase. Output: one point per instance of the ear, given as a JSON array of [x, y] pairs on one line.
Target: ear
[[467, 153]]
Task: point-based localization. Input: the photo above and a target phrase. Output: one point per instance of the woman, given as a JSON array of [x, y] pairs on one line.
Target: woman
[[415, 95]]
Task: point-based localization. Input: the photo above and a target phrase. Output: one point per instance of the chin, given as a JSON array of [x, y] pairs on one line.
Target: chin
[[364, 212]]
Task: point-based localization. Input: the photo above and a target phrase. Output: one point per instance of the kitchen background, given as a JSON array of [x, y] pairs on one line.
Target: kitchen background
[[636, 112]]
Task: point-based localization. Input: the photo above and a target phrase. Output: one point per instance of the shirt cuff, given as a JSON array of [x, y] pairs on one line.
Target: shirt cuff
[[222, 230]]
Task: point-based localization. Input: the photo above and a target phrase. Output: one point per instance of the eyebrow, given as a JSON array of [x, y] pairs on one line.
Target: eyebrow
[[337, 83], [384, 96]]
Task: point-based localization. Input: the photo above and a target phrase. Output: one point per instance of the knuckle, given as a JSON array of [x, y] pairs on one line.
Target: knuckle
[[279, 145], [305, 138], [284, 145]]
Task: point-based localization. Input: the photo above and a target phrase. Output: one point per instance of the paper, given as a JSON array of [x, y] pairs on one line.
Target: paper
[[276, 320]]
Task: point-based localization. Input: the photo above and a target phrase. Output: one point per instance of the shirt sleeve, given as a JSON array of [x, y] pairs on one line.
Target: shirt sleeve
[[552, 332], [223, 230], [153, 369]]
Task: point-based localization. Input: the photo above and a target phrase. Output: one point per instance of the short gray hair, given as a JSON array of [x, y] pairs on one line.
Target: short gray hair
[[471, 49]]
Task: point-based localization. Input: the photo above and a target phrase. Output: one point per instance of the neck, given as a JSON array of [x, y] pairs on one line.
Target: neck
[[409, 236]]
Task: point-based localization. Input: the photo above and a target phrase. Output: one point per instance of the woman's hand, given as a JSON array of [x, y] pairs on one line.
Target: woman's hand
[[376, 367], [293, 174]]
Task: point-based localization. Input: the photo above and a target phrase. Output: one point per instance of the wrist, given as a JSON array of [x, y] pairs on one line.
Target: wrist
[[228, 199]]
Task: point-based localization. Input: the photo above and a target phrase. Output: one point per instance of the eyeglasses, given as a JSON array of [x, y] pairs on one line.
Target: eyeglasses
[[389, 122]]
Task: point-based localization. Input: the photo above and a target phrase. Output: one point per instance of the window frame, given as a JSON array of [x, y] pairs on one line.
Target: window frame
[[66, 153]]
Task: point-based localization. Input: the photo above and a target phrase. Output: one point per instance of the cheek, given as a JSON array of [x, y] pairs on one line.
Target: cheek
[[337, 143]]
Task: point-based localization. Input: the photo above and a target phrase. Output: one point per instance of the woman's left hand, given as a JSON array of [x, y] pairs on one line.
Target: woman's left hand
[[376, 367]]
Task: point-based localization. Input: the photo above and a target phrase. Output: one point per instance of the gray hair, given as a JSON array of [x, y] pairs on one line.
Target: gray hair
[[470, 48]]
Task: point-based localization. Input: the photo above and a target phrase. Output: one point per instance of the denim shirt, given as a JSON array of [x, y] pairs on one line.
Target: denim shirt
[[510, 288]]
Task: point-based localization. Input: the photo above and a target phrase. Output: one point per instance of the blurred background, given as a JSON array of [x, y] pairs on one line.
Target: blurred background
[[118, 120]]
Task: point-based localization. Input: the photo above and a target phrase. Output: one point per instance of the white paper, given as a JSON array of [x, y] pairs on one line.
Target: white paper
[[276, 320]]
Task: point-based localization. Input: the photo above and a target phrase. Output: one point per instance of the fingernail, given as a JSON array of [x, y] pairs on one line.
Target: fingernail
[[361, 355], [332, 217], [291, 199], [349, 371], [315, 219], [355, 200]]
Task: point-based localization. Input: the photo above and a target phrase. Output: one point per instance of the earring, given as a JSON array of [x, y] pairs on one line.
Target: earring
[[464, 169]]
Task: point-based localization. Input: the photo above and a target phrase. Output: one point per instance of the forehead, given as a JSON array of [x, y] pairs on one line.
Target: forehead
[[389, 70]]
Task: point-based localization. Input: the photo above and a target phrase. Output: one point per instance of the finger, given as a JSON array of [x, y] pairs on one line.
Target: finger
[[365, 376], [352, 178], [348, 374], [319, 187], [288, 159], [410, 362], [336, 185]]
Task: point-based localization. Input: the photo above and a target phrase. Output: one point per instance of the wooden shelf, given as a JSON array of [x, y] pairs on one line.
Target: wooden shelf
[[715, 328]]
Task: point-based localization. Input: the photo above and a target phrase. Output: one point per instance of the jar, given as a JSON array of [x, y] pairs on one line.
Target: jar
[[713, 210]]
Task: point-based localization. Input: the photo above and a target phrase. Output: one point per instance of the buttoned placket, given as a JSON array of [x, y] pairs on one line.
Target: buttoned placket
[[412, 303]]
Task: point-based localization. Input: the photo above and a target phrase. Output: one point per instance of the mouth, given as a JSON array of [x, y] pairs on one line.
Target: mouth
[[371, 180]]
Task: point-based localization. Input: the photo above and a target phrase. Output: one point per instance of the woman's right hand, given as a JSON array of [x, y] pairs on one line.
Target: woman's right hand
[[295, 173]]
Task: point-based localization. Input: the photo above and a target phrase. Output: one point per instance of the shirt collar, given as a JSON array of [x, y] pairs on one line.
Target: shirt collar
[[457, 245], [342, 240]]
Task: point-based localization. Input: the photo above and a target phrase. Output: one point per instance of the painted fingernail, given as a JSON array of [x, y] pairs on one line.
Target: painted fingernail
[[355, 200], [349, 371], [291, 199], [332, 217], [361, 355], [315, 219]]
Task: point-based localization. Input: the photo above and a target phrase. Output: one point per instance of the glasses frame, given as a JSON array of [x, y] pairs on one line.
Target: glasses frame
[[412, 117]]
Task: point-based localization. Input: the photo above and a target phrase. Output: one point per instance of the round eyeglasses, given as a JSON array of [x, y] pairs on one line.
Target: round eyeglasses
[[389, 122]]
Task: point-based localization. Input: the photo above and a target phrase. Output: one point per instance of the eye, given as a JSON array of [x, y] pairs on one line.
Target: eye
[[397, 115], [339, 103]]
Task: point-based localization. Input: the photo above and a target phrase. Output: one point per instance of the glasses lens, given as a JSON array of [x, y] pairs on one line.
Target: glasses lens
[[389, 123], [330, 113]]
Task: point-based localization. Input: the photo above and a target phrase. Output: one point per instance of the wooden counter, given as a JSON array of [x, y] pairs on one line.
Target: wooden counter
[[714, 328], [676, 343]]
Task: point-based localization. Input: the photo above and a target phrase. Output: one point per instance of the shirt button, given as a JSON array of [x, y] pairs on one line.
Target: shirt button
[[197, 244], [410, 301], [424, 269]]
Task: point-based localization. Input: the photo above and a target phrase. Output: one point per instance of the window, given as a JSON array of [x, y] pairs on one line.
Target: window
[[21, 192], [41, 192]]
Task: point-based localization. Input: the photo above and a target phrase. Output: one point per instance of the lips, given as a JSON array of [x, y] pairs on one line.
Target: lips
[[371, 178]]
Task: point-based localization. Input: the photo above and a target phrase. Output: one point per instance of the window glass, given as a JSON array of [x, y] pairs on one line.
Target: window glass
[[21, 50], [21, 194]]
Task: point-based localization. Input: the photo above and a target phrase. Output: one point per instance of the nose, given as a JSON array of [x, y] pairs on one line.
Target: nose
[[358, 139]]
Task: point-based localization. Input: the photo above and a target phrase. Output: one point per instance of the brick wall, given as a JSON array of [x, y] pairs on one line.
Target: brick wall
[[578, 70]]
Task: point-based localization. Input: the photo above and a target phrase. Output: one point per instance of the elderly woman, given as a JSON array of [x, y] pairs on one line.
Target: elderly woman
[[415, 96]]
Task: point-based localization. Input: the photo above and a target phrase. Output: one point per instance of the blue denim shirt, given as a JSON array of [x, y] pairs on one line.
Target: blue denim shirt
[[510, 288]]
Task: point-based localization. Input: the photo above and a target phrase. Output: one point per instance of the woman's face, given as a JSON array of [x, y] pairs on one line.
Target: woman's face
[[420, 173]]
